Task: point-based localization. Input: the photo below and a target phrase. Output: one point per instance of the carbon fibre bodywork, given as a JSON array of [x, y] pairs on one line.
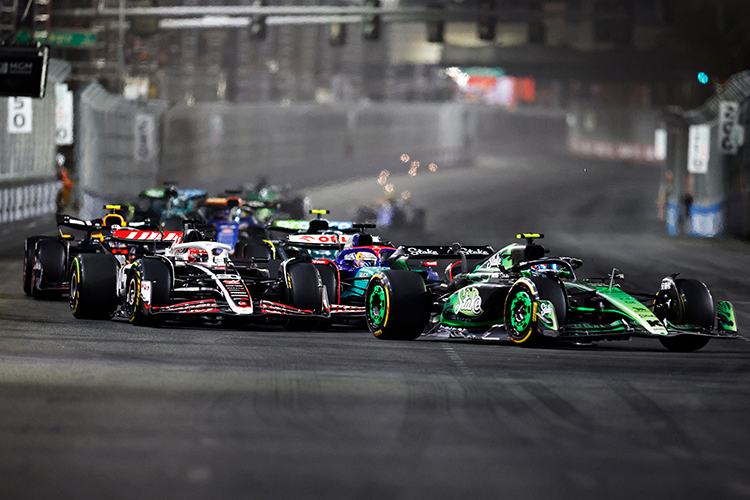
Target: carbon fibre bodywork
[[519, 294]]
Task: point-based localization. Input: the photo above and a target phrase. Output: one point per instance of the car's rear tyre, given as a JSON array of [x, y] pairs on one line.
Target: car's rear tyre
[[28, 262], [158, 275], [686, 302], [93, 286], [49, 268], [521, 304], [304, 291], [397, 305]]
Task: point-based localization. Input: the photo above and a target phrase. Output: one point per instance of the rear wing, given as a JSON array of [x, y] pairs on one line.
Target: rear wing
[[259, 204], [66, 220], [301, 225], [324, 240], [166, 238], [438, 257]]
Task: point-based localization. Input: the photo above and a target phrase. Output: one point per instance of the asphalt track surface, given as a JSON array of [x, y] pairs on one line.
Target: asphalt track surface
[[92, 410]]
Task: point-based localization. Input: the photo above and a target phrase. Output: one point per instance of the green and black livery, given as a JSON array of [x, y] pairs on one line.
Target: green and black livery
[[521, 295]]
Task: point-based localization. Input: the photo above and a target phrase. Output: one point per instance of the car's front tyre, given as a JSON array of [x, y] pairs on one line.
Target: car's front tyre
[[521, 306], [139, 309], [93, 286], [397, 305], [685, 302], [304, 290]]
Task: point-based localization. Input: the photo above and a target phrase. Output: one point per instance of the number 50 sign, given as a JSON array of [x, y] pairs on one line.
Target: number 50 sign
[[19, 115]]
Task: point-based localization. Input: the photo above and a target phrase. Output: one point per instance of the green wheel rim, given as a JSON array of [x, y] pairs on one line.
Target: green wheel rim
[[520, 309], [376, 309]]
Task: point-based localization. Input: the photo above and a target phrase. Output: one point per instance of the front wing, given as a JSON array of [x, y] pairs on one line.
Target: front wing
[[262, 308], [623, 328]]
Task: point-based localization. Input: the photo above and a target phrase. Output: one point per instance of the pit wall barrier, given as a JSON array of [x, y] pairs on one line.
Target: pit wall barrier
[[28, 185], [25, 199], [613, 134], [707, 188], [307, 143]]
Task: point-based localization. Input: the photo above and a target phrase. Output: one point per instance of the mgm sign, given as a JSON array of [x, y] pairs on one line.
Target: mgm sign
[[23, 70]]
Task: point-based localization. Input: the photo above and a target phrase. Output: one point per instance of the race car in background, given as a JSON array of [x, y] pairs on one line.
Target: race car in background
[[274, 202], [233, 219], [170, 206], [196, 280], [520, 295], [46, 259], [396, 214]]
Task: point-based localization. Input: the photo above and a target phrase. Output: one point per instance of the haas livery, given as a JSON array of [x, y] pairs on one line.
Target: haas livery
[[197, 280]]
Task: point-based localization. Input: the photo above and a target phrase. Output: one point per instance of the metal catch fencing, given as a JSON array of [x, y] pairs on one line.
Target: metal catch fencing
[[118, 146], [306, 143], [28, 182], [125, 147], [707, 182]]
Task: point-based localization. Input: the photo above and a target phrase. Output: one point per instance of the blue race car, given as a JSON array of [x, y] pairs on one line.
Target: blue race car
[[233, 220]]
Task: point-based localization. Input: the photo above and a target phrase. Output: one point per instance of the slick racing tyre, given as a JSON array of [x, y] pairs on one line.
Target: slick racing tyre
[[330, 281], [304, 291], [397, 305], [49, 269], [156, 274], [93, 286], [686, 302], [521, 306], [28, 262]]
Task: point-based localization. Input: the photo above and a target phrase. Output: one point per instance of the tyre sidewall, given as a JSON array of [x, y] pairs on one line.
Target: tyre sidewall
[[692, 305], [520, 305], [93, 279], [529, 291], [49, 266], [304, 290], [29, 246], [158, 274], [397, 305]]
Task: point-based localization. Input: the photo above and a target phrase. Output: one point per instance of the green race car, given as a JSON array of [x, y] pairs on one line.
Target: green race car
[[519, 294]]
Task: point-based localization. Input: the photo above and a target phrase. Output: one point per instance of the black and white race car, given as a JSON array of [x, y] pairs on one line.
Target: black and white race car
[[197, 279]]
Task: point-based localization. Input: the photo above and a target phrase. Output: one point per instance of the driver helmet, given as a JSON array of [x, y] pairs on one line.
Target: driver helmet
[[235, 213], [171, 192], [197, 255], [365, 259], [220, 256]]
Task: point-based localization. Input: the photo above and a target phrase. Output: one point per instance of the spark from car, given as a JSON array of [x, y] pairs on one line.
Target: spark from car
[[405, 158], [433, 167], [389, 188], [405, 195], [383, 177], [413, 169]]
